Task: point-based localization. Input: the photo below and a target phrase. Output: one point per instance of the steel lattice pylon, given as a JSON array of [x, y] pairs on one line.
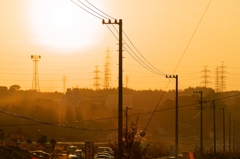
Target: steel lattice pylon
[[35, 80]]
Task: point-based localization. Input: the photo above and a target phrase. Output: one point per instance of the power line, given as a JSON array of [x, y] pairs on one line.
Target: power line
[[148, 68], [86, 10], [116, 38], [54, 124], [92, 10], [100, 10], [107, 118], [181, 58]]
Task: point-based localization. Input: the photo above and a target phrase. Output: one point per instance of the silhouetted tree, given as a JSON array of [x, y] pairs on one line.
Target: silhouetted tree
[[42, 140], [15, 87], [29, 141], [132, 146], [53, 143]]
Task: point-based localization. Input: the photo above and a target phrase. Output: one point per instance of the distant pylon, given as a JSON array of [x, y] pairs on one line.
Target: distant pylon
[[35, 80], [96, 79], [205, 82], [222, 77], [217, 79], [107, 72], [64, 83], [127, 79]]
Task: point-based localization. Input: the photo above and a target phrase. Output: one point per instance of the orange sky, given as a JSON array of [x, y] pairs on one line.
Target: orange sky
[[72, 42]]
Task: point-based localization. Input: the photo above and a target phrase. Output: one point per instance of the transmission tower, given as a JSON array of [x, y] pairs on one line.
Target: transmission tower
[[222, 77], [205, 77], [35, 81], [96, 79], [107, 72], [217, 89], [64, 83], [127, 79]]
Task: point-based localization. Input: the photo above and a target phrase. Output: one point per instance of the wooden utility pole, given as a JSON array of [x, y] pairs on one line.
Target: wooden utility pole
[[201, 125], [120, 141], [223, 130], [176, 118]]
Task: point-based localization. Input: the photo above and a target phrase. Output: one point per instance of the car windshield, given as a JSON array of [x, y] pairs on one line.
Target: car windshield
[[102, 156], [72, 148]]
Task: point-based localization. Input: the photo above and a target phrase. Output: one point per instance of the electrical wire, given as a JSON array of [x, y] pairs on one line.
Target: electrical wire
[[147, 67], [161, 73], [177, 63], [86, 10], [142, 55], [92, 10], [181, 57], [54, 124], [99, 10], [107, 118], [129, 52]]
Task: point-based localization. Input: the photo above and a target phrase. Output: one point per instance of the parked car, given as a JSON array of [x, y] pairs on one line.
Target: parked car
[[105, 150], [102, 157], [105, 154], [41, 154], [72, 156], [78, 153], [71, 149]]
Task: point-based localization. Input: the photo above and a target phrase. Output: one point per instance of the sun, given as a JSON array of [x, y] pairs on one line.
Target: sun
[[62, 24]]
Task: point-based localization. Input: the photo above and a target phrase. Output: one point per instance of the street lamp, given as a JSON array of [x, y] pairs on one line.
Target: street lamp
[[176, 122]]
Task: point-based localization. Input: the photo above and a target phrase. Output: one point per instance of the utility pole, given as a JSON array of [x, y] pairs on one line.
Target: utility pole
[[120, 142], [126, 134], [176, 118], [229, 134], [223, 130], [201, 110], [214, 126], [127, 118], [234, 135]]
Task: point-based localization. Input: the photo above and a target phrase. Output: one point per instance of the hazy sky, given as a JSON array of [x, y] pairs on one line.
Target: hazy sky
[[72, 42]]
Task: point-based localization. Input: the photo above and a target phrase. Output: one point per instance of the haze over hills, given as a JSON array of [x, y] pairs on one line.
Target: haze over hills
[[83, 114]]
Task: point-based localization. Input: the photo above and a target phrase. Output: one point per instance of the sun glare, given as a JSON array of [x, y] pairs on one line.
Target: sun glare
[[62, 24]]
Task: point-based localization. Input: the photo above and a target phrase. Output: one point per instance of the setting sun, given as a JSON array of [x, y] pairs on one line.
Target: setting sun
[[59, 23]]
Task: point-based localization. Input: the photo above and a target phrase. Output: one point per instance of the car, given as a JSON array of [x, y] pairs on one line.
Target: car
[[105, 154], [102, 157], [71, 149], [173, 157], [78, 153], [105, 150], [41, 154], [72, 156]]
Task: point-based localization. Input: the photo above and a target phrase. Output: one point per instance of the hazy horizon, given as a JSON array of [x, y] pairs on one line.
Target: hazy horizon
[[71, 42]]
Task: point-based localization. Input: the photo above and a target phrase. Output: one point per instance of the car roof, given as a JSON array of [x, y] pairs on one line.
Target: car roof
[[103, 153], [104, 156], [69, 156], [72, 146], [78, 150]]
